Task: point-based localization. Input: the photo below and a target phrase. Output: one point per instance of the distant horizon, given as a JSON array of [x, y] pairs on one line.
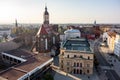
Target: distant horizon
[[55, 23], [62, 11]]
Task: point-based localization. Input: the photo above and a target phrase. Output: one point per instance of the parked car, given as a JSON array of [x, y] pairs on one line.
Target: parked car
[[102, 44]]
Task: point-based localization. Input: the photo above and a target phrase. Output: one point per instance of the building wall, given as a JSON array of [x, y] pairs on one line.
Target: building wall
[[76, 62], [117, 45], [72, 33], [111, 43], [6, 31], [40, 45], [105, 36]]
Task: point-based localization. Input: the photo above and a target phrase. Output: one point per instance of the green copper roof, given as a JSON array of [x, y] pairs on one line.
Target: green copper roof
[[80, 44]]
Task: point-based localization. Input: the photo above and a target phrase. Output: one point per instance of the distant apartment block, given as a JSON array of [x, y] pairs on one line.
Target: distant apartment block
[[111, 40], [117, 45], [5, 32]]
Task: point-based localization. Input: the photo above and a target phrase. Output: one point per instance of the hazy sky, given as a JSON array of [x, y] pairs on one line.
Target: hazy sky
[[61, 11]]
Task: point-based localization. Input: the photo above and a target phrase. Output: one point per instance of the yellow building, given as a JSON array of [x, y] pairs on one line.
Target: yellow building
[[76, 57], [111, 41]]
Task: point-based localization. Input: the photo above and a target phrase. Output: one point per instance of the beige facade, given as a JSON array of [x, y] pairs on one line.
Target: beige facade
[[76, 61], [111, 41]]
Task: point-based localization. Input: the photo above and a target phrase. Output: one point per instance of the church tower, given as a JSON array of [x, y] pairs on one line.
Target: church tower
[[16, 27], [46, 16], [16, 24]]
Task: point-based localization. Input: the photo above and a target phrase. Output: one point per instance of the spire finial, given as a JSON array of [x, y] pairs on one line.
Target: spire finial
[[45, 7], [95, 22]]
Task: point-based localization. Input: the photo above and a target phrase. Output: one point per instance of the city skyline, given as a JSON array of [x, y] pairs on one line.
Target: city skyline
[[63, 11]]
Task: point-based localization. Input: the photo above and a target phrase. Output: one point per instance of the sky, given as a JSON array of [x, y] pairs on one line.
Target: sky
[[61, 11]]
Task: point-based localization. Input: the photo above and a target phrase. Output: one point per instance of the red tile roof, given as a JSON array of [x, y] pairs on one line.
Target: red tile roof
[[111, 33], [44, 29]]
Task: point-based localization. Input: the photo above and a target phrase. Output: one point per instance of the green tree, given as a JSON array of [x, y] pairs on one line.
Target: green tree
[[48, 76]]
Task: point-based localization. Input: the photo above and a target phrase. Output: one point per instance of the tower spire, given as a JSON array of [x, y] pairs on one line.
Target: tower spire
[[46, 16], [45, 7], [95, 22], [16, 24]]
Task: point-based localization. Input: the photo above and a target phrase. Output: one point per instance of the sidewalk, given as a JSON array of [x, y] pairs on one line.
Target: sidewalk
[[61, 75], [111, 59]]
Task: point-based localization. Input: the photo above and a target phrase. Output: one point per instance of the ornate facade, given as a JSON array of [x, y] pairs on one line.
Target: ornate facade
[[76, 56]]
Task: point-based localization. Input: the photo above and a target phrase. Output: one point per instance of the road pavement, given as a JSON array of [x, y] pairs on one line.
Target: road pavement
[[110, 74]]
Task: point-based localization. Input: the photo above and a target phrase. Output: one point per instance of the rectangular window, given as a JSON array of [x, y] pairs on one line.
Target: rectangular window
[[67, 56], [88, 71], [11, 59], [68, 63], [74, 64], [67, 68], [15, 60], [4, 56], [7, 57], [74, 55], [61, 61], [81, 56], [63, 53], [77, 64], [61, 66], [80, 64], [88, 65], [88, 57], [19, 61]]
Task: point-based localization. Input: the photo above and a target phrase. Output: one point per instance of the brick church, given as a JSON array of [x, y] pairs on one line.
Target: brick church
[[47, 36]]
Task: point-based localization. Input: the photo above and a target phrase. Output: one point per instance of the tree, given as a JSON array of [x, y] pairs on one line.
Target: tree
[[5, 36], [48, 76]]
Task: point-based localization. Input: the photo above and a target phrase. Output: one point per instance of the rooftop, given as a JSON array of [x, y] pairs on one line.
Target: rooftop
[[111, 33], [72, 31], [80, 44], [32, 61]]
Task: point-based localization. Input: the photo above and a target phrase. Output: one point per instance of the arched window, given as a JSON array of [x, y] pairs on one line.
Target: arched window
[[80, 71], [80, 64], [74, 64], [77, 64], [74, 71], [77, 71]]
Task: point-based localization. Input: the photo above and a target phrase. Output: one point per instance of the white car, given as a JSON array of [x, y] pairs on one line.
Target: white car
[[102, 44]]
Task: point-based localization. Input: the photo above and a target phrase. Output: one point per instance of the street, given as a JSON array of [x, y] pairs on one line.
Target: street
[[110, 74]]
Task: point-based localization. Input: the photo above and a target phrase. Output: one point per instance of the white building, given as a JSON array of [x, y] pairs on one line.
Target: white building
[[105, 36], [117, 45], [72, 33], [5, 32]]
